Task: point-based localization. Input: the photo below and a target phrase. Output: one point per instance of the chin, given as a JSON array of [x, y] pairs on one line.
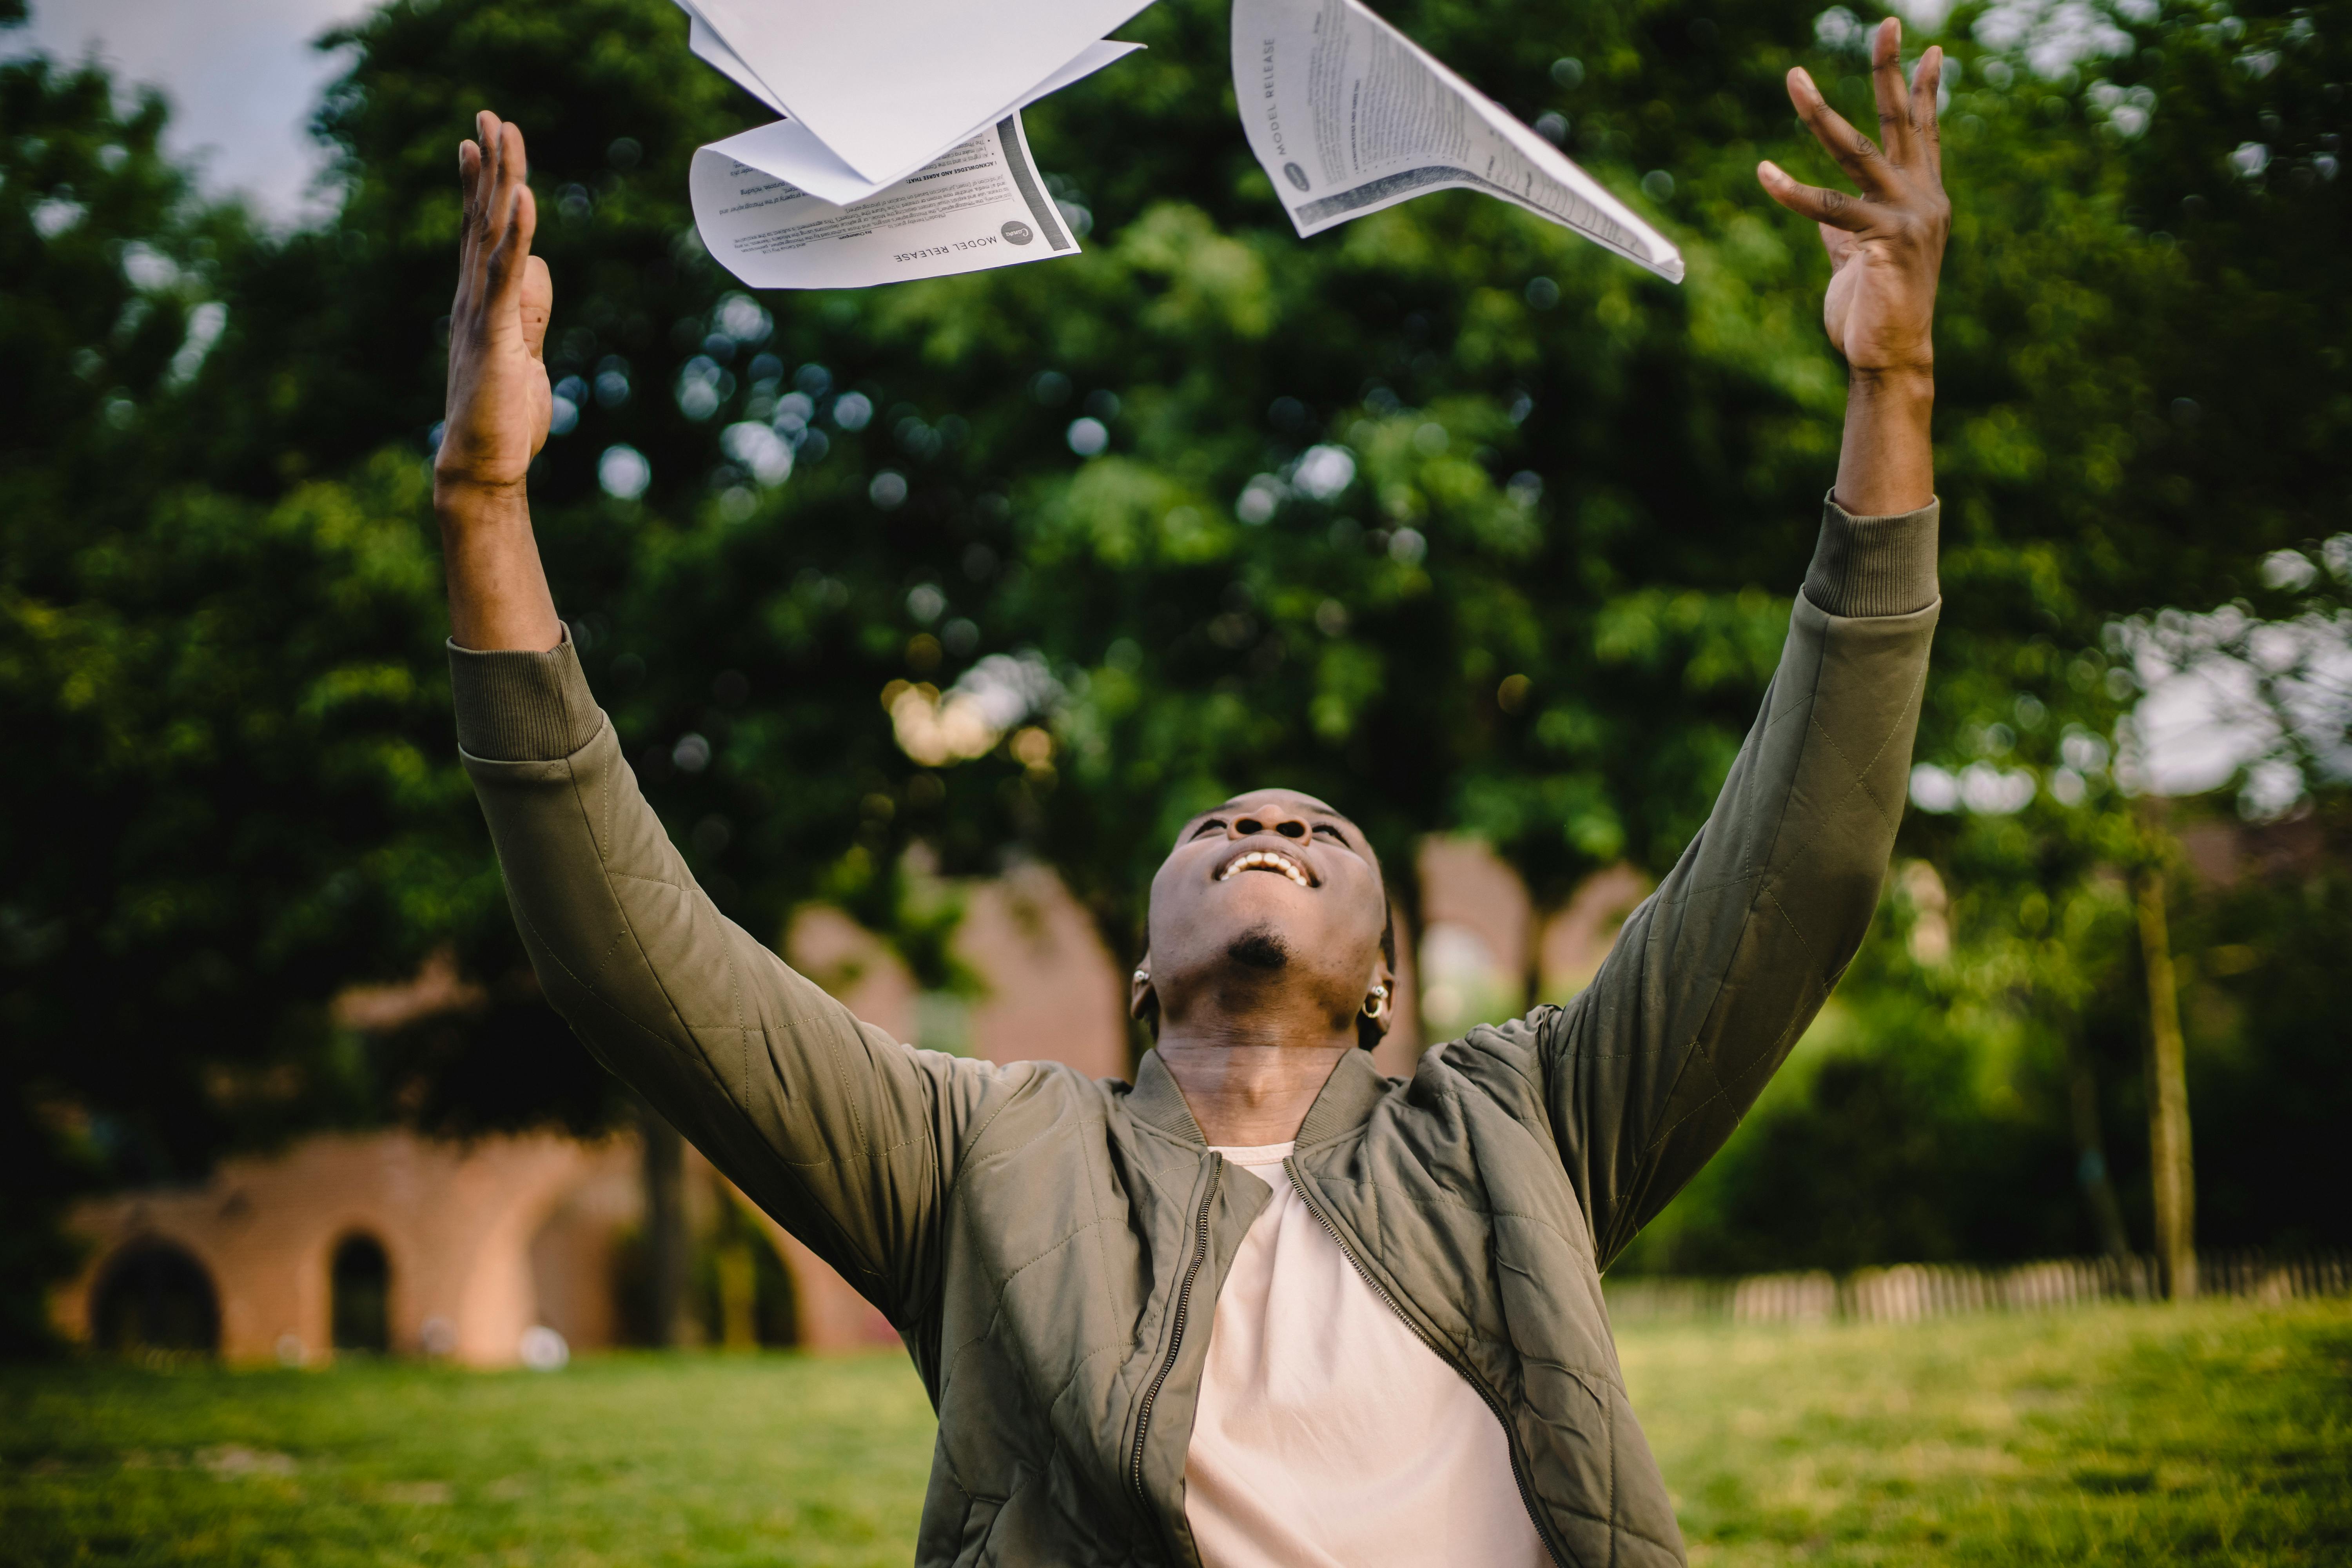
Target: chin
[[1263, 947]]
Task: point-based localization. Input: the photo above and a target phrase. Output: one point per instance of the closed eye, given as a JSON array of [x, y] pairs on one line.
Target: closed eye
[[1332, 832], [1217, 823]]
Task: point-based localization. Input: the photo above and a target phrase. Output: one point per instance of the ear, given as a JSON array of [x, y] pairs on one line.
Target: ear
[[1141, 1005]]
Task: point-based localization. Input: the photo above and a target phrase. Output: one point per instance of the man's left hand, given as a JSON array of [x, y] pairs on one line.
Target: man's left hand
[[1885, 246]]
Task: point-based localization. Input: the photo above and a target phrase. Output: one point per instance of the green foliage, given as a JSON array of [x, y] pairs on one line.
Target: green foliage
[[234, 790], [1444, 515], [217, 731], [2270, 1007], [1887, 1138]]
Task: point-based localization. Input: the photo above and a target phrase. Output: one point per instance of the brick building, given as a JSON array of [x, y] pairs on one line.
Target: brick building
[[392, 1243]]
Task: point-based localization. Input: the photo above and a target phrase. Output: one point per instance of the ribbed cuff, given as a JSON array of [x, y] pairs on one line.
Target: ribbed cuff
[[1874, 565], [521, 707]]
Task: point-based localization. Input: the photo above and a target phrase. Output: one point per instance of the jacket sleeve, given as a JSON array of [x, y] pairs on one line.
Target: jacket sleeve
[[844, 1135], [1714, 976]]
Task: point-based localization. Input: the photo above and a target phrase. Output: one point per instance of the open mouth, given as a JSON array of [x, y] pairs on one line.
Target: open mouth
[[1265, 861]]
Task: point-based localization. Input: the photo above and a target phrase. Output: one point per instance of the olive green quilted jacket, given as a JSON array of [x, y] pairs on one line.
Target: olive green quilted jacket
[[1051, 1246]]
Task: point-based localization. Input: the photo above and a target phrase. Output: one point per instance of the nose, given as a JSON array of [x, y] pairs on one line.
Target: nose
[[1269, 819]]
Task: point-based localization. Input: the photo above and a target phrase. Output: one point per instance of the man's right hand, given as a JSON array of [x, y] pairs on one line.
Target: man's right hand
[[499, 406], [500, 401]]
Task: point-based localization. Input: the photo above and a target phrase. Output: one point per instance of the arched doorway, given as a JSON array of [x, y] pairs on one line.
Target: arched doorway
[[155, 1296], [361, 1294]]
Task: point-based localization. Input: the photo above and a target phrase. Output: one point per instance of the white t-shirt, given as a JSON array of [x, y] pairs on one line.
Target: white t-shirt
[[1329, 1436]]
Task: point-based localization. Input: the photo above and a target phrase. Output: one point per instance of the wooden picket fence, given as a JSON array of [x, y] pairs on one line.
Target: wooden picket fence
[[1913, 1293]]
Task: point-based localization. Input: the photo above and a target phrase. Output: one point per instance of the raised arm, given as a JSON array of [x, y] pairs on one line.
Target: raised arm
[[1886, 253], [842, 1133], [499, 406], [1716, 974]]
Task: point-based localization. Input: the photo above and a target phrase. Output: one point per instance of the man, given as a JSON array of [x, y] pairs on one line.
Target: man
[[1264, 1307]]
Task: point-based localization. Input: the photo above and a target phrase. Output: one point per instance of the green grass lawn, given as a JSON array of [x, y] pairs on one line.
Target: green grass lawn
[[2214, 1434], [2220, 1433]]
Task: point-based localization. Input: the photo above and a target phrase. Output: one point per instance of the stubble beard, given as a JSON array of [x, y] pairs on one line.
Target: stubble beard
[[1261, 947]]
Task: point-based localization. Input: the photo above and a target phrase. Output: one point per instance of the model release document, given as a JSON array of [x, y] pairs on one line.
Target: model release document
[[979, 205], [887, 84], [1349, 116], [788, 150]]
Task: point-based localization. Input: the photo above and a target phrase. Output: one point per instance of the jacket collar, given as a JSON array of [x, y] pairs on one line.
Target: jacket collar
[[1349, 1095], [1345, 1103]]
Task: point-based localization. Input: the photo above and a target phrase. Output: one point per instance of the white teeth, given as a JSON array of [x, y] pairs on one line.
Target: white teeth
[[1272, 859]]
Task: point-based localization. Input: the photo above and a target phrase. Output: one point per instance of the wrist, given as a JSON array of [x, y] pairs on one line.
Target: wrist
[[461, 500], [1887, 458], [1902, 381]]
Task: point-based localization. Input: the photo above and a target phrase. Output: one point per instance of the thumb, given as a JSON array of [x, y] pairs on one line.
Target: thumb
[[537, 305], [1836, 241]]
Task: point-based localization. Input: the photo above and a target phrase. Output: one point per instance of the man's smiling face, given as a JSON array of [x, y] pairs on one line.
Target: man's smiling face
[[1273, 891]]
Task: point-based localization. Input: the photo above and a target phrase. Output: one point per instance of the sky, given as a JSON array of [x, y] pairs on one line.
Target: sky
[[240, 74]]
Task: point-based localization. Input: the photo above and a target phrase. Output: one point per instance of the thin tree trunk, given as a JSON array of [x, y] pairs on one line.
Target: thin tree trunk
[[667, 1258], [2170, 1167]]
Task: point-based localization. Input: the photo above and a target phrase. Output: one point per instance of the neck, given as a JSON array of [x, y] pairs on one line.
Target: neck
[[1249, 1095]]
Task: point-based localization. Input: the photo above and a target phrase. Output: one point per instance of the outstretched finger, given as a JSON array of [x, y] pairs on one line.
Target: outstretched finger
[[1854, 153], [509, 263], [1831, 209], [1926, 83], [1895, 130], [496, 189], [469, 173], [469, 184], [507, 205]]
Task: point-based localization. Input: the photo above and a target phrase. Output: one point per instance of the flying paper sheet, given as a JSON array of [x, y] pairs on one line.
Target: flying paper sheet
[[1349, 116], [884, 84], [711, 49], [790, 150], [979, 205]]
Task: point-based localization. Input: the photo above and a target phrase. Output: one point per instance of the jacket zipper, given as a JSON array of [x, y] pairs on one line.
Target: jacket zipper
[[1176, 1338], [1526, 1491]]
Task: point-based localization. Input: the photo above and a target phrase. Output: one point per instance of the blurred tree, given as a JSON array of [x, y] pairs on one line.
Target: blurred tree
[[2268, 999], [231, 791]]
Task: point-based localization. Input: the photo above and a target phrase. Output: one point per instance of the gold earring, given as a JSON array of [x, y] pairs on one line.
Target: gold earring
[[1372, 1003]]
